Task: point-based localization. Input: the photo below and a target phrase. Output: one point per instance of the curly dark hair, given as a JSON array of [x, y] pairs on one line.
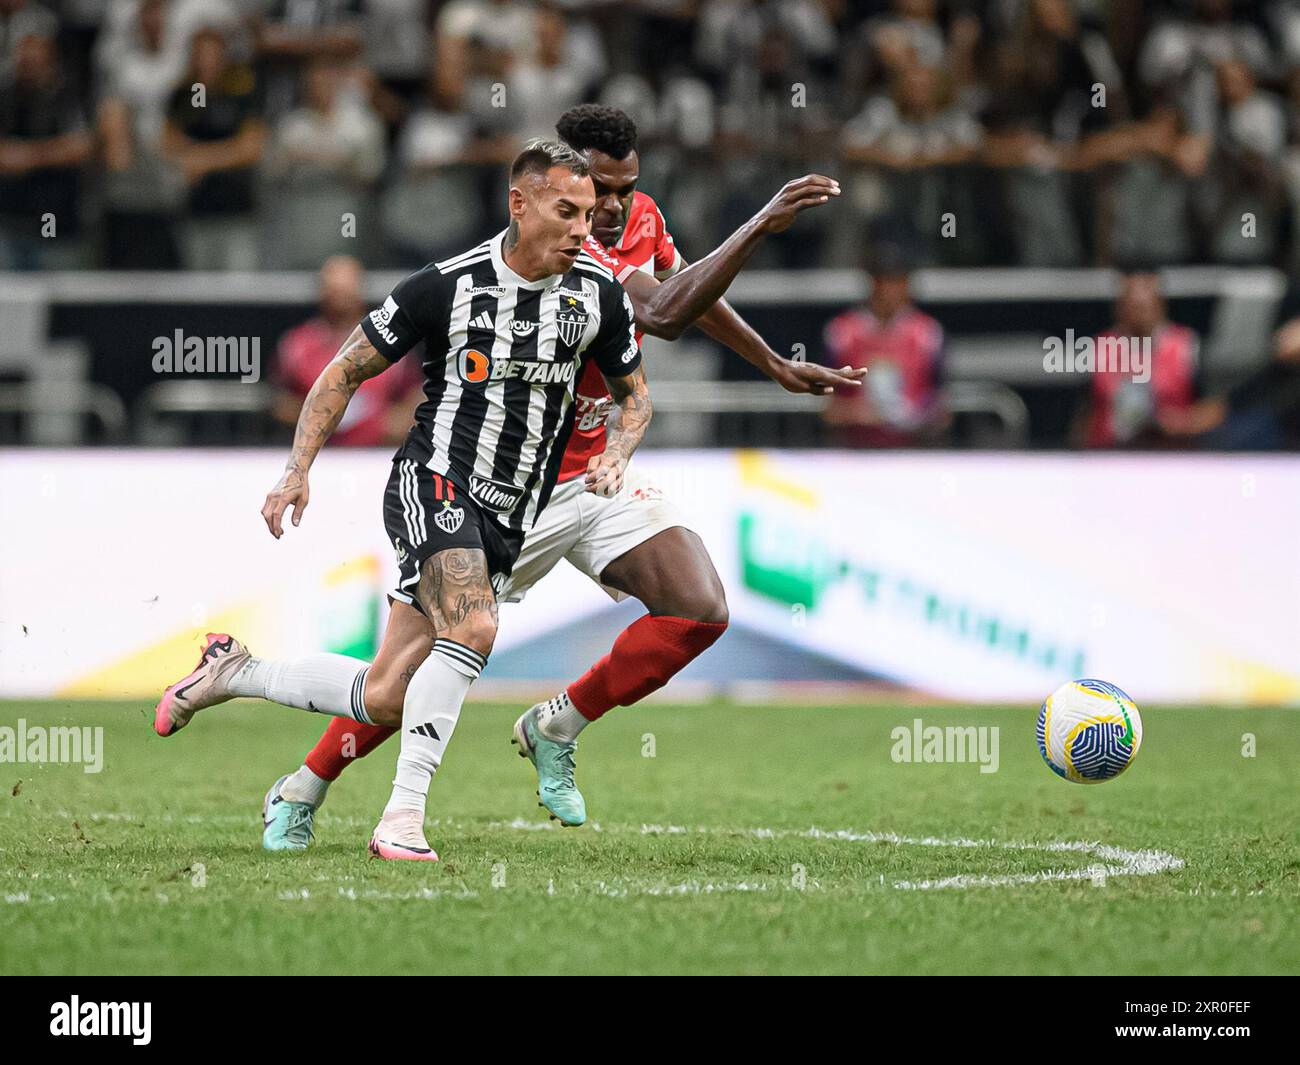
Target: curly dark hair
[[606, 129]]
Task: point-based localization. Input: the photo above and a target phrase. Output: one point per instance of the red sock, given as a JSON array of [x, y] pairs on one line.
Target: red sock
[[646, 655], [342, 744]]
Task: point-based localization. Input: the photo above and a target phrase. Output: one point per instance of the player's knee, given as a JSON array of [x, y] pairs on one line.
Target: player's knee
[[708, 605], [713, 609], [478, 631]]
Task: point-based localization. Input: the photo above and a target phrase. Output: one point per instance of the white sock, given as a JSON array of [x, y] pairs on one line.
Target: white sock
[[429, 715], [305, 786], [322, 683], [559, 720]]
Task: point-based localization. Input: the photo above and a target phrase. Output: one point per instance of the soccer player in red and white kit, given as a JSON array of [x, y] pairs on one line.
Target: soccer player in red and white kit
[[627, 537]]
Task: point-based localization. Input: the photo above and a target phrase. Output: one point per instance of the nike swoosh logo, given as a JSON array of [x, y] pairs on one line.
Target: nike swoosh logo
[[179, 693]]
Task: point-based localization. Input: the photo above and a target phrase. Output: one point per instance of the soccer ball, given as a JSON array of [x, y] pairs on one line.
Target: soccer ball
[[1088, 731]]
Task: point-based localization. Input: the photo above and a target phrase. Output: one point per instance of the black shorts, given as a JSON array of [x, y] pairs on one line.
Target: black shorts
[[425, 513]]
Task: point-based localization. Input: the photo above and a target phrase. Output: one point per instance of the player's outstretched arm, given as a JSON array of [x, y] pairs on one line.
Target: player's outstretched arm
[[322, 410], [724, 324], [623, 432], [667, 309]]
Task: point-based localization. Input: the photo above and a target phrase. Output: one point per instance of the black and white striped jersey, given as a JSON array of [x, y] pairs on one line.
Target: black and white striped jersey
[[502, 359]]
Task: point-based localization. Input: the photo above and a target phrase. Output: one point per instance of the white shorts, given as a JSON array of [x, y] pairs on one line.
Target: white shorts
[[591, 531]]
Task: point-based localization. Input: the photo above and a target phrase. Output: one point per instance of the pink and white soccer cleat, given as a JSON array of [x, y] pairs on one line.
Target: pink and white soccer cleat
[[399, 836], [207, 685]]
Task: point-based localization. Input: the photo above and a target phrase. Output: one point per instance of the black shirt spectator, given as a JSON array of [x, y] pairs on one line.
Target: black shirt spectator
[[43, 139], [227, 120]]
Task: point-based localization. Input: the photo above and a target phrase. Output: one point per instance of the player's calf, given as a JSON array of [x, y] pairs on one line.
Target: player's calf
[[455, 586], [673, 576]]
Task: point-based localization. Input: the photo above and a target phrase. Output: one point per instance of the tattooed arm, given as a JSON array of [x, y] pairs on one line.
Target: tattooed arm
[[322, 410], [626, 426]]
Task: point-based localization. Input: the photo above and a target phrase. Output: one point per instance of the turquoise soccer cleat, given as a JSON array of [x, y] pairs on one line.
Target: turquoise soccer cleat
[[288, 824], [554, 763]]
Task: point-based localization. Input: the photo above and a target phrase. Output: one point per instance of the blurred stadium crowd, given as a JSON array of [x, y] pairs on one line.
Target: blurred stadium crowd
[[234, 134]]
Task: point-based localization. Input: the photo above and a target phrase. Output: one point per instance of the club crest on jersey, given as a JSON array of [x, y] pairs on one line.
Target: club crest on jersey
[[449, 518], [571, 319]]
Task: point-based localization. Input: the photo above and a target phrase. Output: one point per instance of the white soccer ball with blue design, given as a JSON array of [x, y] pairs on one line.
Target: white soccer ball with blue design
[[1089, 731]]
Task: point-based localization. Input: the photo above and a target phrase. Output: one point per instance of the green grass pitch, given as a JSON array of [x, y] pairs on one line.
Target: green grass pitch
[[699, 859]]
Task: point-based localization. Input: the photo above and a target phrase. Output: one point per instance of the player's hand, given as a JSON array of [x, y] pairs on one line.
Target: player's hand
[[605, 474], [804, 378], [292, 491], [811, 190]]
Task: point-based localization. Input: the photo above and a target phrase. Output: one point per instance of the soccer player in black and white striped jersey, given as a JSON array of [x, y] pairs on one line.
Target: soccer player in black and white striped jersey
[[507, 327], [363, 696]]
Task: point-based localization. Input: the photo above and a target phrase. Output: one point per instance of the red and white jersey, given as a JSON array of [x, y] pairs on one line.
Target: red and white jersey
[[1122, 408], [645, 245], [904, 356]]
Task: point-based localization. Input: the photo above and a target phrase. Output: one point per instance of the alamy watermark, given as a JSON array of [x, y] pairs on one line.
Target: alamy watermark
[[1104, 354], [58, 744], [181, 354], [951, 743], [76, 1018]]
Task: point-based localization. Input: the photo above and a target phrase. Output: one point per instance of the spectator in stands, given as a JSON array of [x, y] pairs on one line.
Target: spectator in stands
[[315, 29], [1262, 413], [20, 19], [384, 405], [141, 55], [324, 158], [902, 348], [730, 35], [1247, 177], [1045, 103], [215, 135], [1127, 412], [1145, 210], [896, 96], [440, 157], [885, 46], [773, 93], [398, 46], [295, 33], [553, 79], [910, 34], [506, 28], [485, 66], [774, 107], [902, 146], [44, 143], [1180, 55], [914, 127]]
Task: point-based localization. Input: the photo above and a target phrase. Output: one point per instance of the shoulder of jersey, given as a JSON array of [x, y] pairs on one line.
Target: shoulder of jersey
[[588, 263], [642, 202], [476, 255]]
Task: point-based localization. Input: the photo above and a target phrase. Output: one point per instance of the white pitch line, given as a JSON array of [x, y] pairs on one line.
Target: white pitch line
[[1118, 861], [1130, 863]]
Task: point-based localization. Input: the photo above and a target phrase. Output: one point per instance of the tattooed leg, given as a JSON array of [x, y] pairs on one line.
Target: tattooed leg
[[455, 585]]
